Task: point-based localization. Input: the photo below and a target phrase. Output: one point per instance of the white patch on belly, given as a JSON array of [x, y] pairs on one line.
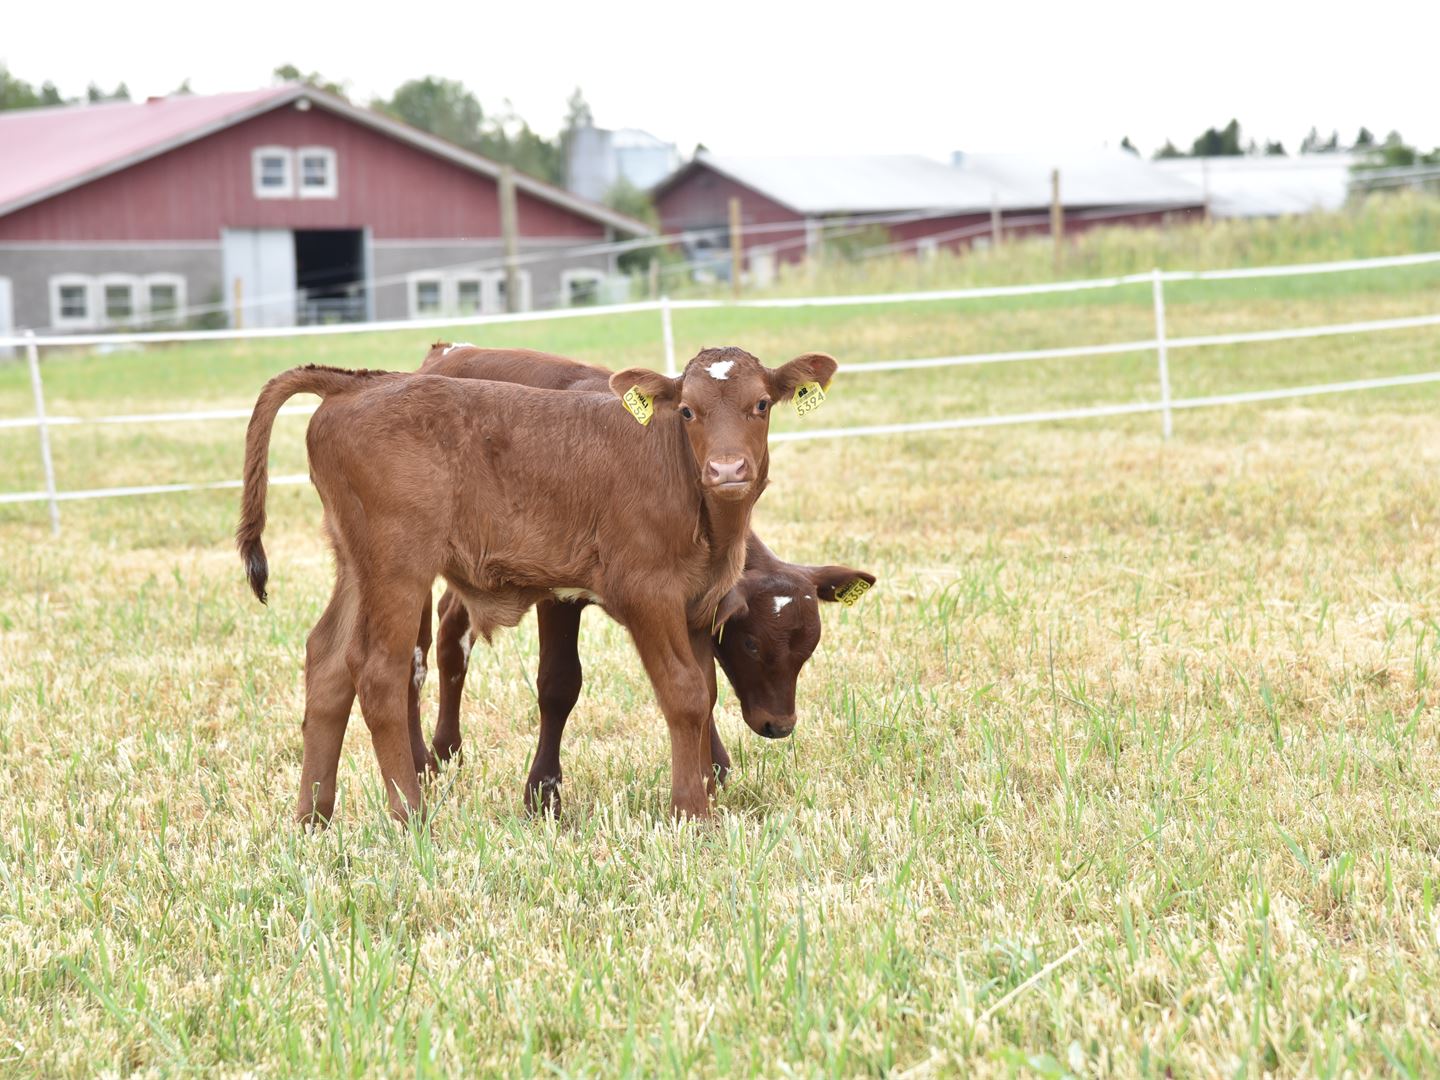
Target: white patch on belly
[[720, 369], [465, 643], [780, 602], [576, 594], [420, 671], [457, 345]]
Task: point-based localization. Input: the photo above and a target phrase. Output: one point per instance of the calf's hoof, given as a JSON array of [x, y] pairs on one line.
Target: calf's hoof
[[542, 795], [447, 752]]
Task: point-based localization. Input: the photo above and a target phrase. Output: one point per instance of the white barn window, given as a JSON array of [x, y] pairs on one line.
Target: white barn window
[[581, 285], [163, 296], [72, 301], [273, 172], [317, 172], [469, 294], [495, 301], [427, 295], [119, 302]]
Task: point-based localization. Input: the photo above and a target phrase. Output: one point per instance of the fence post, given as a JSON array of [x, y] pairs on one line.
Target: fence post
[[668, 330], [1157, 279], [32, 356]]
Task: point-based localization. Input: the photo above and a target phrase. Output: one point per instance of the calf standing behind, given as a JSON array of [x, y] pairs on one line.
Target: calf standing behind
[[771, 622], [512, 493]]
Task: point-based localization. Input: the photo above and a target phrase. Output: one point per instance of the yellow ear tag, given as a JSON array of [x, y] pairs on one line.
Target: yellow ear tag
[[809, 397], [640, 404], [852, 592]]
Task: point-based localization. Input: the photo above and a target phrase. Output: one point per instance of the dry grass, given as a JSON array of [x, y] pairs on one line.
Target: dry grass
[[1126, 767]]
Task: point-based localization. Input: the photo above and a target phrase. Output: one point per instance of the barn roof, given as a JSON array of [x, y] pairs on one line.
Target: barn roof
[[51, 150], [1087, 178], [1268, 186], [846, 184], [864, 183]]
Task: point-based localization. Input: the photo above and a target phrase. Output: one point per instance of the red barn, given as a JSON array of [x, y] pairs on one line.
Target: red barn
[[787, 203], [270, 207]]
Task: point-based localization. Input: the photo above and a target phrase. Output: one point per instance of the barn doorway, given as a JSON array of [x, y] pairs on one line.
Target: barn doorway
[[330, 275]]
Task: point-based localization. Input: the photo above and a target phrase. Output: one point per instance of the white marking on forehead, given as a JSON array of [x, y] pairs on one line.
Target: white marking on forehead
[[457, 345], [720, 369], [780, 602]]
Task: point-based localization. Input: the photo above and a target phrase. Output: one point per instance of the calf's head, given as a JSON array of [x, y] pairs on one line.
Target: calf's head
[[724, 397], [768, 625]]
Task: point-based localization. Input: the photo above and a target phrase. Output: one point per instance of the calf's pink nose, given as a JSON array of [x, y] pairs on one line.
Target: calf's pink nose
[[727, 472]]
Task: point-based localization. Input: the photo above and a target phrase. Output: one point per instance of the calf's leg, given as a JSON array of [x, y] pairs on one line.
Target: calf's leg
[[380, 656], [452, 660], [424, 760], [666, 649], [719, 756], [558, 688], [329, 693]]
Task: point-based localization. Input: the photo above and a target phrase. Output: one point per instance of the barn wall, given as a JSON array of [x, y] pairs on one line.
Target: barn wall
[[702, 200], [195, 191], [30, 269]]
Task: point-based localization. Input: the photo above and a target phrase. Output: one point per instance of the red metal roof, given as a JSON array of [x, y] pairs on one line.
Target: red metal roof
[[50, 149]]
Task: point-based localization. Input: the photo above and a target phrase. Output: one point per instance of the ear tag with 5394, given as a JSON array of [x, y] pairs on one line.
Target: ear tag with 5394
[[808, 397]]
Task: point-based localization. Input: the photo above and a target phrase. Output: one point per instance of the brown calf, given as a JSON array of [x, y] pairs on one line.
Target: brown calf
[[773, 628], [511, 493]]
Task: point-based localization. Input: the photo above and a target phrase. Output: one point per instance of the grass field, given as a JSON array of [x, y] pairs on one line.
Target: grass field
[[1126, 767]]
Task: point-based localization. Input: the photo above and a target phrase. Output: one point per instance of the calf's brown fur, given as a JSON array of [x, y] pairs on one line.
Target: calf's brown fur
[[510, 493], [773, 623]]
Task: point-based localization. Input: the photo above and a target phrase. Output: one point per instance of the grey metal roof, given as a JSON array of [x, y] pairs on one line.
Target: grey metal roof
[[868, 183], [1267, 186], [1087, 178], [854, 183]]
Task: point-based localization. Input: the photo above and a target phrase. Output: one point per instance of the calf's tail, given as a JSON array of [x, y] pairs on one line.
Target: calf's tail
[[311, 379]]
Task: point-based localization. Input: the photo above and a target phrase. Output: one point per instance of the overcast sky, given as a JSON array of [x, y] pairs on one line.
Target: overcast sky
[[787, 78]]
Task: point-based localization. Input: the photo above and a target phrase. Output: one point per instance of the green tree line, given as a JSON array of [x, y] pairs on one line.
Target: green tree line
[[1227, 141]]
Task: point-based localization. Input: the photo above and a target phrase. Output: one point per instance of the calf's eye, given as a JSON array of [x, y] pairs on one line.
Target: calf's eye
[[687, 412], [752, 646], [761, 406]]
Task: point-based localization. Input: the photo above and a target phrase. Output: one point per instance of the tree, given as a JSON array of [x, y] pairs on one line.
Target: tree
[[290, 73], [628, 199], [443, 107], [1313, 144], [448, 109], [1222, 143], [93, 93], [1126, 144], [1275, 149], [1169, 150], [183, 90], [1364, 140], [19, 94]]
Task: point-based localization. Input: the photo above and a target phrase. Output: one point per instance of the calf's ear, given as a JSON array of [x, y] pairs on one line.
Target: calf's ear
[[829, 580], [815, 367], [651, 383], [733, 605]]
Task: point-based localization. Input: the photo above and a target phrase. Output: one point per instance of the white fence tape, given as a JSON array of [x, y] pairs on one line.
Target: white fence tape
[[1096, 411], [665, 306], [152, 489]]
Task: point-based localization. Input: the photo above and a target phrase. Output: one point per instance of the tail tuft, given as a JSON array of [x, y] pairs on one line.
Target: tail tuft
[[257, 567]]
